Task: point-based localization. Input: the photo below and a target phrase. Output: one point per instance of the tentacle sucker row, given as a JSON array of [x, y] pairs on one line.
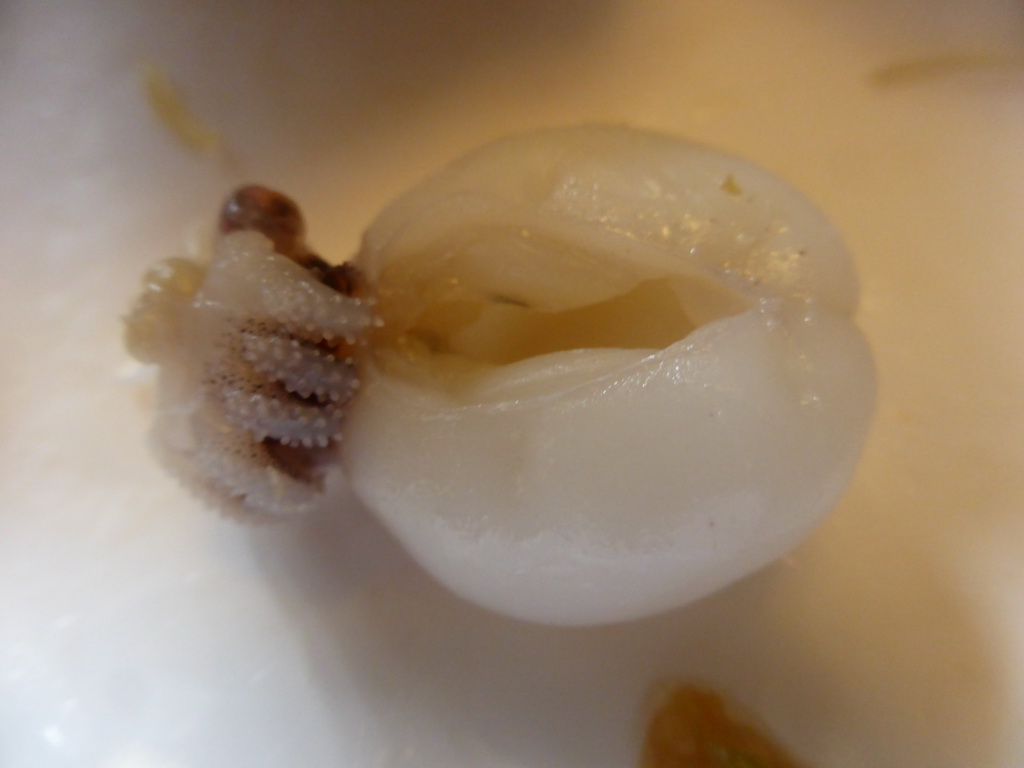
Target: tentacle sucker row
[[258, 359]]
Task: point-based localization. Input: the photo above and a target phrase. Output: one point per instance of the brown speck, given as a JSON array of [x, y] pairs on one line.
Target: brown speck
[[344, 278]]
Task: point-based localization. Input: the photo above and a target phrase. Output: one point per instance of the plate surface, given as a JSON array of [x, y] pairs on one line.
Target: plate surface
[[139, 631]]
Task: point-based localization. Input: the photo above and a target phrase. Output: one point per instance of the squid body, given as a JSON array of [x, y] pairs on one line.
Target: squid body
[[589, 374]]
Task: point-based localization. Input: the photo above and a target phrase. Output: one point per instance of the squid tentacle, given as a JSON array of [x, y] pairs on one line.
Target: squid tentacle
[[264, 408], [301, 367], [258, 356]]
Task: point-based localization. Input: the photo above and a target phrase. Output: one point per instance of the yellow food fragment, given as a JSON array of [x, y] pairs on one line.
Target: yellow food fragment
[[167, 103], [730, 186], [932, 67], [693, 728]]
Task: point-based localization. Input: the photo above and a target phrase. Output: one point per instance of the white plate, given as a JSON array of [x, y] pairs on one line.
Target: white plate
[[137, 630]]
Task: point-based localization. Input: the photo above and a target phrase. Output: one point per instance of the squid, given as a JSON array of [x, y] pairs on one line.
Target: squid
[[583, 375]]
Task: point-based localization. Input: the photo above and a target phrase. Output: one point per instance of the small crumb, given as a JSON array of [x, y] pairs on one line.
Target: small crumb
[[911, 71], [730, 187], [166, 102], [694, 728]]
